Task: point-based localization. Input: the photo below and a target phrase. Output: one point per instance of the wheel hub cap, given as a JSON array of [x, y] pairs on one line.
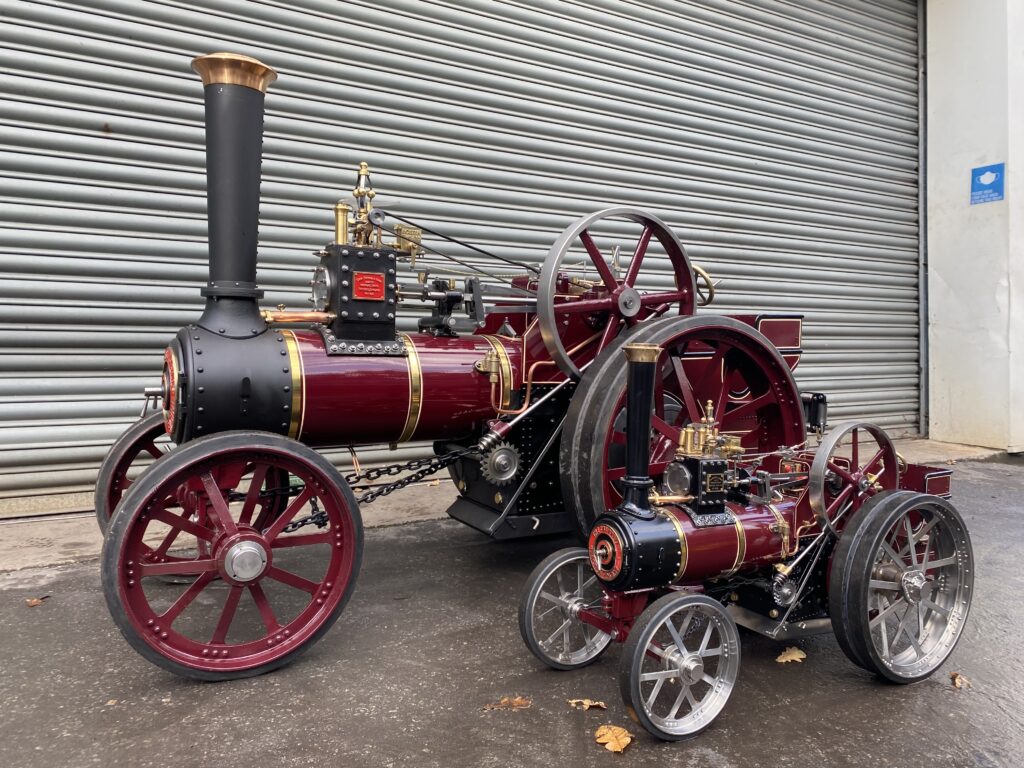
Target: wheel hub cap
[[691, 670], [629, 302], [915, 586], [245, 561]]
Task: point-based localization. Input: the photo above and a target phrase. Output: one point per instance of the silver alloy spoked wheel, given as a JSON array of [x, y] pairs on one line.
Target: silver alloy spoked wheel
[[910, 586], [559, 587], [680, 665]]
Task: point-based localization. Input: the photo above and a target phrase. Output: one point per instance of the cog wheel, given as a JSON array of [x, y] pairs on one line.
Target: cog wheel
[[500, 465]]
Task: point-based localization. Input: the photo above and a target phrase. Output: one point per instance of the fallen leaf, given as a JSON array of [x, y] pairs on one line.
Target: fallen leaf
[[791, 654], [112, 702], [32, 602], [510, 702], [614, 737], [951, 461], [959, 681], [586, 704]]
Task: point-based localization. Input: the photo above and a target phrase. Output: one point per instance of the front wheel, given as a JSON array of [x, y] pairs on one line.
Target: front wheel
[[549, 622], [679, 665], [262, 591]]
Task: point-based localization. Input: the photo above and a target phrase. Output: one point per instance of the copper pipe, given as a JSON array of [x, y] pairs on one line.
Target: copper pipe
[[286, 316], [529, 381]]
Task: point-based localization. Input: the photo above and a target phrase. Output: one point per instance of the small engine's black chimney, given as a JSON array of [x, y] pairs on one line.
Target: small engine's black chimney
[[643, 359], [234, 87]]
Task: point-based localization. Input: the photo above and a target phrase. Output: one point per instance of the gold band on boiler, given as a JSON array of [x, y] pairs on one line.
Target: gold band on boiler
[[412, 420], [741, 547], [506, 370], [234, 69], [298, 384], [684, 551]]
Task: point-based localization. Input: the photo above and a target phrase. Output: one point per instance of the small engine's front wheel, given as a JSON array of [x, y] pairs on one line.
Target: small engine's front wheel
[[679, 665], [549, 622]]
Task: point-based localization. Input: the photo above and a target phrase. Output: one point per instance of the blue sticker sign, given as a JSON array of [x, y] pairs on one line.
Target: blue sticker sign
[[988, 183]]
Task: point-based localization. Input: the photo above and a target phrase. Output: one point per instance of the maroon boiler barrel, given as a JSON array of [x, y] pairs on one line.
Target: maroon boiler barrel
[[434, 392]]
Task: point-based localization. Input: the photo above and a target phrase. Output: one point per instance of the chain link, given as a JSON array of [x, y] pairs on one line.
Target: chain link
[[420, 469]]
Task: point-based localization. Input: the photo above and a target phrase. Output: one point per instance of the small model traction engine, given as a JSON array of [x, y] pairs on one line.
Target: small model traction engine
[[788, 543]]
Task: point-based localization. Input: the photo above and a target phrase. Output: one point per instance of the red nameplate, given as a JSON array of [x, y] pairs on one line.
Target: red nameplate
[[368, 286]]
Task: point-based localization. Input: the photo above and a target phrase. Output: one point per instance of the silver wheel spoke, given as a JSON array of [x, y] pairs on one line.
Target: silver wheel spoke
[[709, 680], [897, 560], [678, 702], [711, 652], [886, 586], [661, 674], [551, 598], [557, 632], [706, 638], [654, 692], [911, 549], [882, 614], [933, 606], [941, 563]]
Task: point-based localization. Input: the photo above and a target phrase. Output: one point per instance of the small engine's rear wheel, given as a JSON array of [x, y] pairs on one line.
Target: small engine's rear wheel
[[570, 306], [720, 359], [205, 497], [910, 580], [840, 567], [138, 446], [855, 461], [558, 588], [679, 665]]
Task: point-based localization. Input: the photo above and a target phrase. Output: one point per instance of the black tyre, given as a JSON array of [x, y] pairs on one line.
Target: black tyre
[[840, 567], [683, 653], [557, 588]]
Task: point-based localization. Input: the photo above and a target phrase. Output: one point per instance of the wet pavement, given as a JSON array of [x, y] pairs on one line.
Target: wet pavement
[[430, 638]]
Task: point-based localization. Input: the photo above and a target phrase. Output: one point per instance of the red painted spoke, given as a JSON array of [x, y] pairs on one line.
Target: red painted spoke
[[292, 580], [874, 460], [169, 538], [218, 506], [686, 390], [842, 473], [227, 615], [664, 428], [152, 450], [599, 263], [659, 310], [638, 256], [723, 395], [611, 328], [253, 496], [286, 517], [615, 473], [263, 605], [668, 297], [841, 499], [713, 368], [186, 598], [182, 523], [658, 467], [178, 567], [746, 409], [586, 305], [301, 540], [854, 449], [618, 438]]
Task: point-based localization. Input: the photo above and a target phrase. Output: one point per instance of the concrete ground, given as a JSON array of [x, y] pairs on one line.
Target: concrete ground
[[430, 638]]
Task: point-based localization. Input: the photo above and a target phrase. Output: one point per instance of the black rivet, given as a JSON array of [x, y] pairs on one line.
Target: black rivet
[[287, 388], [285, 408], [199, 370], [200, 409], [199, 351], [284, 425], [280, 338], [202, 389], [196, 338], [284, 370], [220, 330], [284, 351]]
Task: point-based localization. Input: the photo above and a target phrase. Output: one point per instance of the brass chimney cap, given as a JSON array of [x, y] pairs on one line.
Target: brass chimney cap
[[234, 69], [642, 353]]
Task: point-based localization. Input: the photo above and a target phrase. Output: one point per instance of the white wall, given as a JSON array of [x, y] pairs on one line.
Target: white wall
[[975, 117]]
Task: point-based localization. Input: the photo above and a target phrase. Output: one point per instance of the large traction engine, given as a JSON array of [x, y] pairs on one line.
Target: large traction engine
[[231, 545]]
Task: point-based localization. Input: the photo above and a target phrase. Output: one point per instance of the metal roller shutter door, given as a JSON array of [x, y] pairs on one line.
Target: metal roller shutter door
[[779, 139]]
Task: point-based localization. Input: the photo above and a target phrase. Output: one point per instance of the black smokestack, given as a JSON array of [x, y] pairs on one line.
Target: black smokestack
[[643, 360], [235, 87]]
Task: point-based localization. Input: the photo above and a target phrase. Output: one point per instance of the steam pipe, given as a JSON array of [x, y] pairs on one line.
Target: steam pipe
[[234, 89]]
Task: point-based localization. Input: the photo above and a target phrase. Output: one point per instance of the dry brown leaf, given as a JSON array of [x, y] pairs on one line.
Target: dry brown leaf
[[510, 702], [951, 461], [32, 602], [791, 654], [959, 681], [586, 704], [614, 737], [111, 702]]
